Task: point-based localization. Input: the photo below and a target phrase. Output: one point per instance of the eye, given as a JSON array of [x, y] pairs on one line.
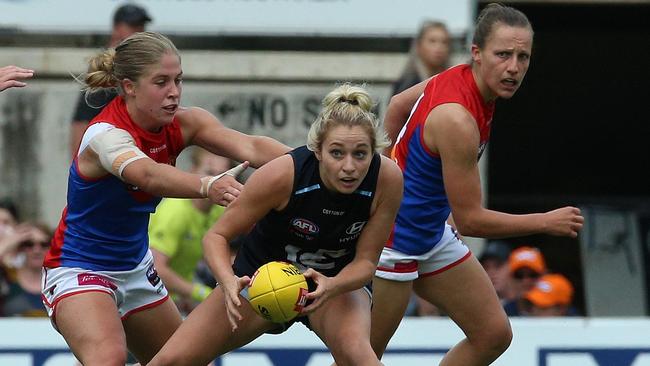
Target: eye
[[336, 153], [360, 154], [178, 81], [524, 57], [160, 82], [503, 54]]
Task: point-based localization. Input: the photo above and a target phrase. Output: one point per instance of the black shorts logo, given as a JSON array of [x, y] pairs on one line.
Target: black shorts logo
[[152, 276]]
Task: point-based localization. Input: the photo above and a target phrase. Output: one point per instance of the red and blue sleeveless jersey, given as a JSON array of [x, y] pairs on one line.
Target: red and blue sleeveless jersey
[[104, 226], [424, 210]]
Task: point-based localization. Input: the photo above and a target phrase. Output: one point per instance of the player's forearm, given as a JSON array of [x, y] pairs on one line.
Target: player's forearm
[[353, 276], [166, 181], [494, 224], [217, 255]]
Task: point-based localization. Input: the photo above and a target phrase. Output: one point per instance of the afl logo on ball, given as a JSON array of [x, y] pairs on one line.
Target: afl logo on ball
[[304, 226]]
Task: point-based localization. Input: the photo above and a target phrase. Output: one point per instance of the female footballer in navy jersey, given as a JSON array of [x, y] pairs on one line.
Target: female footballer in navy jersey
[[347, 194]]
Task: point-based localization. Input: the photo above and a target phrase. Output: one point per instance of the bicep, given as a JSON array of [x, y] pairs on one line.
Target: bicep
[[203, 129], [457, 142]]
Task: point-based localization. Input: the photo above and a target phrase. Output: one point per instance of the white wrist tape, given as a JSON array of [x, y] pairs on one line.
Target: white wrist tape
[[206, 182]]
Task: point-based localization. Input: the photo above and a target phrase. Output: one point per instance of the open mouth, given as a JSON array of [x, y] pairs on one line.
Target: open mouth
[[171, 108], [510, 82], [348, 182]]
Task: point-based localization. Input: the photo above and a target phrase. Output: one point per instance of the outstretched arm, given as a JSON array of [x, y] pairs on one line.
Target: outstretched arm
[[114, 151], [451, 131], [202, 128], [11, 76]]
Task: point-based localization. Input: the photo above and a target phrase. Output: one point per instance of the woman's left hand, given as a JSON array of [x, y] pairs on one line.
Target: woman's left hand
[[321, 294]]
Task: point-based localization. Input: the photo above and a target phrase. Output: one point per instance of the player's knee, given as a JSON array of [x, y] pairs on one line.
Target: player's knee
[[163, 359], [496, 338], [109, 355], [355, 352]]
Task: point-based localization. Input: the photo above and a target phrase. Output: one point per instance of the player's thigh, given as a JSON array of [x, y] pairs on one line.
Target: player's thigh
[[91, 325], [344, 321], [465, 293], [389, 301], [206, 333], [148, 330]]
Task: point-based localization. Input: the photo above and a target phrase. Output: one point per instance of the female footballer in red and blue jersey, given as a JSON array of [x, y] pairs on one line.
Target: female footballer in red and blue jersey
[[438, 151], [104, 226], [421, 220], [100, 286]]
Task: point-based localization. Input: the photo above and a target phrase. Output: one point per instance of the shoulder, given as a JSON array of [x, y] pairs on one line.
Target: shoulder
[[452, 117], [389, 171], [390, 183], [273, 182], [274, 176], [192, 113], [278, 170], [103, 136]]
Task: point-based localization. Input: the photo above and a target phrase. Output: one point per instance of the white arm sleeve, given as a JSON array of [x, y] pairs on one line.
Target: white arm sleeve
[[116, 150]]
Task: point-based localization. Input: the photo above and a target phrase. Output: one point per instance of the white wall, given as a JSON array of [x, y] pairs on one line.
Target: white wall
[[418, 342], [295, 17]]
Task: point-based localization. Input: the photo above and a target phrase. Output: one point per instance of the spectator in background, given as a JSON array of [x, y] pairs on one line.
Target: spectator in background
[[8, 216], [8, 242], [10, 234], [429, 55], [551, 296], [494, 259], [127, 19], [175, 233], [527, 265], [24, 295], [10, 77]]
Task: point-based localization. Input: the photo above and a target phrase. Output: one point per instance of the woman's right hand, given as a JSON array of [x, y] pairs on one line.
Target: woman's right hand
[[565, 221], [226, 188], [231, 297]]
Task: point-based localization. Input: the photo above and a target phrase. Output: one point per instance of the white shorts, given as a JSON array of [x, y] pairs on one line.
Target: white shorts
[[448, 252], [132, 291]]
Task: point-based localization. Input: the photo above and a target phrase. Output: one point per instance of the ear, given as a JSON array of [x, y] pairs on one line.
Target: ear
[[476, 54], [319, 155], [129, 87]]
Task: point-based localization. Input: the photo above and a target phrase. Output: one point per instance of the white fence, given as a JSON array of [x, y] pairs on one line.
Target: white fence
[[418, 342]]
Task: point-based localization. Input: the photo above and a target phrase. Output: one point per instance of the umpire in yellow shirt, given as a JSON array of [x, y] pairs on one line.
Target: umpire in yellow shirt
[[175, 233]]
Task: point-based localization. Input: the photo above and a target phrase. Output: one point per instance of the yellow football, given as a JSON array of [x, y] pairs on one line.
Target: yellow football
[[277, 291]]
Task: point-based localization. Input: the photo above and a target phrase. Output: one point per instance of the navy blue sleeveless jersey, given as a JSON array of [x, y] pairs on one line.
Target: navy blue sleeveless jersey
[[317, 229]]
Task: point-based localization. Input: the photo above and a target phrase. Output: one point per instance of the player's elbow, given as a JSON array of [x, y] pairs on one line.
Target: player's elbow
[[467, 225], [150, 181], [367, 271]]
